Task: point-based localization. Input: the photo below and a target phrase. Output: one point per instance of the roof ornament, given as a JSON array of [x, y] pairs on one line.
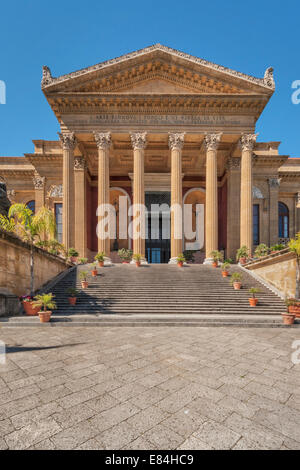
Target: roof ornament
[[268, 77], [47, 77]]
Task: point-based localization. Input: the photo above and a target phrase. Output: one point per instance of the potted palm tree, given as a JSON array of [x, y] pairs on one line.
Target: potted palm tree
[[180, 260], [73, 293], [137, 257], [83, 278], [30, 228], [293, 306], [289, 316], [216, 256], [100, 258], [46, 304], [125, 255], [73, 255], [82, 260], [242, 254], [236, 280], [261, 250], [94, 270], [225, 268], [253, 300]]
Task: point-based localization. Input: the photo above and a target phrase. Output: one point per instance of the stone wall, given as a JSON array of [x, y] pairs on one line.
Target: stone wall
[[15, 267], [278, 270]]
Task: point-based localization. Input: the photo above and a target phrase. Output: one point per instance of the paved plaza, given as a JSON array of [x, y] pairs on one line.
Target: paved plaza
[[149, 388]]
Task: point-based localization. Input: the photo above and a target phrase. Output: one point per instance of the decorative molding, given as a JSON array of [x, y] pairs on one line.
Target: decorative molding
[[211, 141], [256, 193], [247, 141], [138, 140], [233, 163], [176, 141], [55, 190], [298, 199], [103, 140], [274, 183], [11, 193], [68, 140], [39, 181], [79, 163], [47, 78]]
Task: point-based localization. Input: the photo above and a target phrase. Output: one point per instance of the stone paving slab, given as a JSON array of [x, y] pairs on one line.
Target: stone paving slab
[[149, 388]]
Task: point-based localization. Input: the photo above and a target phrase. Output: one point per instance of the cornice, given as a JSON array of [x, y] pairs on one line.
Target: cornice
[[267, 82]]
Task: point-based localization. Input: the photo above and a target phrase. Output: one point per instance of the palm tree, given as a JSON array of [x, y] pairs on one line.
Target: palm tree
[[30, 228], [294, 245]]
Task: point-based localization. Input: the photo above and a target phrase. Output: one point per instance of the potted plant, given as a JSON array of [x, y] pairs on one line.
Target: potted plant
[[83, 260], [180, 260], [83, 278], [94, 270], [189, 256], [242, 254], [125, 255], [253, 300], [27, 302], [100, 258], [288, 317], [236, 279], [73, 293], [137, 258], [276, 248], [73, 255], [294, 246], [46, 304], [216, 256], [261, 250], [225, 268], [293, 306]]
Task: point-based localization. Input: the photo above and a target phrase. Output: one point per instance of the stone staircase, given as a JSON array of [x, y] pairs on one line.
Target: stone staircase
[[123, 294]]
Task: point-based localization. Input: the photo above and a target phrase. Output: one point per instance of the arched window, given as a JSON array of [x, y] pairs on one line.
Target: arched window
[[31, 205], [283, 220]]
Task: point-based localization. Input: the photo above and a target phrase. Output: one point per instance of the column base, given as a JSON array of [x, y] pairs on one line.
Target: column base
[[143, 261], [107, 261], [174, 261], [208, 261]]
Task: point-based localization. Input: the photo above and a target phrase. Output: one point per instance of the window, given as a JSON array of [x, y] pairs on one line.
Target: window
[[31, 205], [283, 220], [255, 224], [58, 219]]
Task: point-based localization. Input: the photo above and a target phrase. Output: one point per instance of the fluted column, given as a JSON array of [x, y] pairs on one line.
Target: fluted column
[[103, 141], [211, 196], [68, 141], [176, 142], [139, 142], [39, 189], [246, 228], [80, 206], [274, 184]]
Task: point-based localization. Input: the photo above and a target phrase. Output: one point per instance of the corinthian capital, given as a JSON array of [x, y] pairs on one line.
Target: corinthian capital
[[247, 141], [38, 181], [68, 140], [103, 140], [138, 140], [176, 141], [274, 182], [79, 163], [212, 140]]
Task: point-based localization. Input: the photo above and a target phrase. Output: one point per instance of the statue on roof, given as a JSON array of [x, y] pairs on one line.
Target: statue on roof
[[4, 201], [47, 77], [269, 78]]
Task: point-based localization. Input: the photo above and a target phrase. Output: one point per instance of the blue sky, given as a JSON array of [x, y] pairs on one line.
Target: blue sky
[[68, 35]]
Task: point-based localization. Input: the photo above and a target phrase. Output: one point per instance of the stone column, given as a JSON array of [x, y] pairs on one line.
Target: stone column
[[246, 228], [68, 141], [233, 167], [176, 142], [39, 188], [274, 184], [103, 141], [139, 142], [80, 206], [211, 196]]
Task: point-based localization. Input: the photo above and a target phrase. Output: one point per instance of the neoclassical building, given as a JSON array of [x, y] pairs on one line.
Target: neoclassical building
[[158, 125]]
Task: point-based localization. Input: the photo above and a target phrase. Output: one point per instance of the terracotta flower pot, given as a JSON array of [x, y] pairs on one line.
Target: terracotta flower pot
[[224, 273], [288, 319], [45, 316], [73, 259], [138, 264], [125, 262], [72, 300], [30, 309], [84, 284], [180, 264], [101, 264], [295, 310], [94, 272], [253, 301], [214, 264], [243, 260], [237, 285]]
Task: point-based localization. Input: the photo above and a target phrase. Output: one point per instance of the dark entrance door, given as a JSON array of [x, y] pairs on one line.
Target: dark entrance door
[[158, 241]]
